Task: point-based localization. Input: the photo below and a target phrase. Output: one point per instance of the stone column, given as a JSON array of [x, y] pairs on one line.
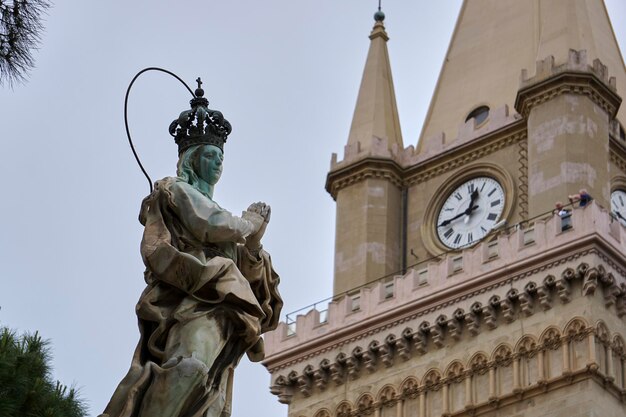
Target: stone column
[[492, 383], [446, 402], [566, 362], [609, 364], [592, 362], [541, 374], [516, 383], [469, 402], [423, 404]]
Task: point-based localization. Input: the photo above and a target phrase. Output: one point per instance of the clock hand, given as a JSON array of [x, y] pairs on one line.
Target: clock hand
[[473, 198], [469, 210], [447, 222], [618, 214], [463, 213]]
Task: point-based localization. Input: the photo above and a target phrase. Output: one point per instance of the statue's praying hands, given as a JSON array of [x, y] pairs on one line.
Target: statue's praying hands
[[253, 242]]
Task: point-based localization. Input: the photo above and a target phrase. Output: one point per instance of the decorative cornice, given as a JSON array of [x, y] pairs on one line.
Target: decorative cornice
[[577, 332], [369, 167], [472, 151], [594, 235], [377, 167], [568, 82], [521, 299]]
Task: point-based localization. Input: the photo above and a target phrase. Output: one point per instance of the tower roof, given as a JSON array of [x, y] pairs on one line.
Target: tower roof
[[376, 115], [494, 40]]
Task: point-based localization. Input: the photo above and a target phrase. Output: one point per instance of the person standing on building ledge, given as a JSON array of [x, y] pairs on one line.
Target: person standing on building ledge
[[564, 214], [560, 210], [211, 288], [582, 198]]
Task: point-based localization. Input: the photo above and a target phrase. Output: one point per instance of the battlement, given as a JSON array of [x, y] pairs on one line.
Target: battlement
[[436, 283], [574, 77], [576, 62], [410, 156]]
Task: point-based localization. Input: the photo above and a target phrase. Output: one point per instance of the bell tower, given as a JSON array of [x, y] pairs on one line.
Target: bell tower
[[366, 184], [508, 307]]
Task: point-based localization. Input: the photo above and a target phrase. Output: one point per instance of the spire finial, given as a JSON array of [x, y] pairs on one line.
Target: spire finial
[[379, 16]]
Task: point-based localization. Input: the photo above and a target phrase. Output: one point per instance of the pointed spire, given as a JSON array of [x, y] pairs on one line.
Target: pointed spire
[[495, 40], [376, 115]]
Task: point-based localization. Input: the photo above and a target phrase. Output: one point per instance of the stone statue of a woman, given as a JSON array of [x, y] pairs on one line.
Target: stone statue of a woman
[[211, 289]]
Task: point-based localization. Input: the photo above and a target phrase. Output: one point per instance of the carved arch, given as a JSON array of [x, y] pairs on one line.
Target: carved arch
[[502, 358], [432, 379], [386, 395], [344, 409], [479, 363], [550, 342], [502, 354], [550, 338], [479, 366], [410, 391], [576, 328], [410, 387], [365, 404], [575, 332], [322, 413], [619, 361], [455, 375], [454, 369], [526, 346]]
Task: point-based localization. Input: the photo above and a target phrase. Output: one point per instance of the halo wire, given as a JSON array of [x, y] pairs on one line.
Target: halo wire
[[130, 141]]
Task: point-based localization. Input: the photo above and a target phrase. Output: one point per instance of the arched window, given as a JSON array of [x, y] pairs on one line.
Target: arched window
[[479, 114]]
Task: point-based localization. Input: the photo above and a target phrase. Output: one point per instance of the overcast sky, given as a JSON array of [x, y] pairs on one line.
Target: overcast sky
[[285, 73]]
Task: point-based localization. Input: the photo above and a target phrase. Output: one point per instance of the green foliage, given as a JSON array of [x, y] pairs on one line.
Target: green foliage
[[26, 386]]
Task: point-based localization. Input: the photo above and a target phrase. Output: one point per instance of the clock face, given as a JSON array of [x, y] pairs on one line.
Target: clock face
[[470, 212], [618, 205]]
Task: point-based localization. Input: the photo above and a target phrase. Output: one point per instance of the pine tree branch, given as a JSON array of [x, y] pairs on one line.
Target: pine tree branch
[[20, 34]]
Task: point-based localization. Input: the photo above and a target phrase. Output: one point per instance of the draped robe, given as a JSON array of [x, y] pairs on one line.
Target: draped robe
[[196, 267]]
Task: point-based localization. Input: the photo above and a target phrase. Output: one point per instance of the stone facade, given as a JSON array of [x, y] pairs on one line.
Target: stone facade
[[526, 322], [543, 323]]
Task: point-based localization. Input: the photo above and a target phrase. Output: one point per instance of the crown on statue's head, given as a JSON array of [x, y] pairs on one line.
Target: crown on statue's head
[[200, 125]]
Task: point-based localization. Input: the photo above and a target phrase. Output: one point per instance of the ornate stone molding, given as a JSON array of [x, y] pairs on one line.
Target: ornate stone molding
[[505, 360], [518, 302], [387, 168], [522, 179], [617, 156], [366, 168], [462, 156]]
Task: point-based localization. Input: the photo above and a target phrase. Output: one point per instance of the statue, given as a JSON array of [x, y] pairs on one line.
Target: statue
[[211, 289]]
